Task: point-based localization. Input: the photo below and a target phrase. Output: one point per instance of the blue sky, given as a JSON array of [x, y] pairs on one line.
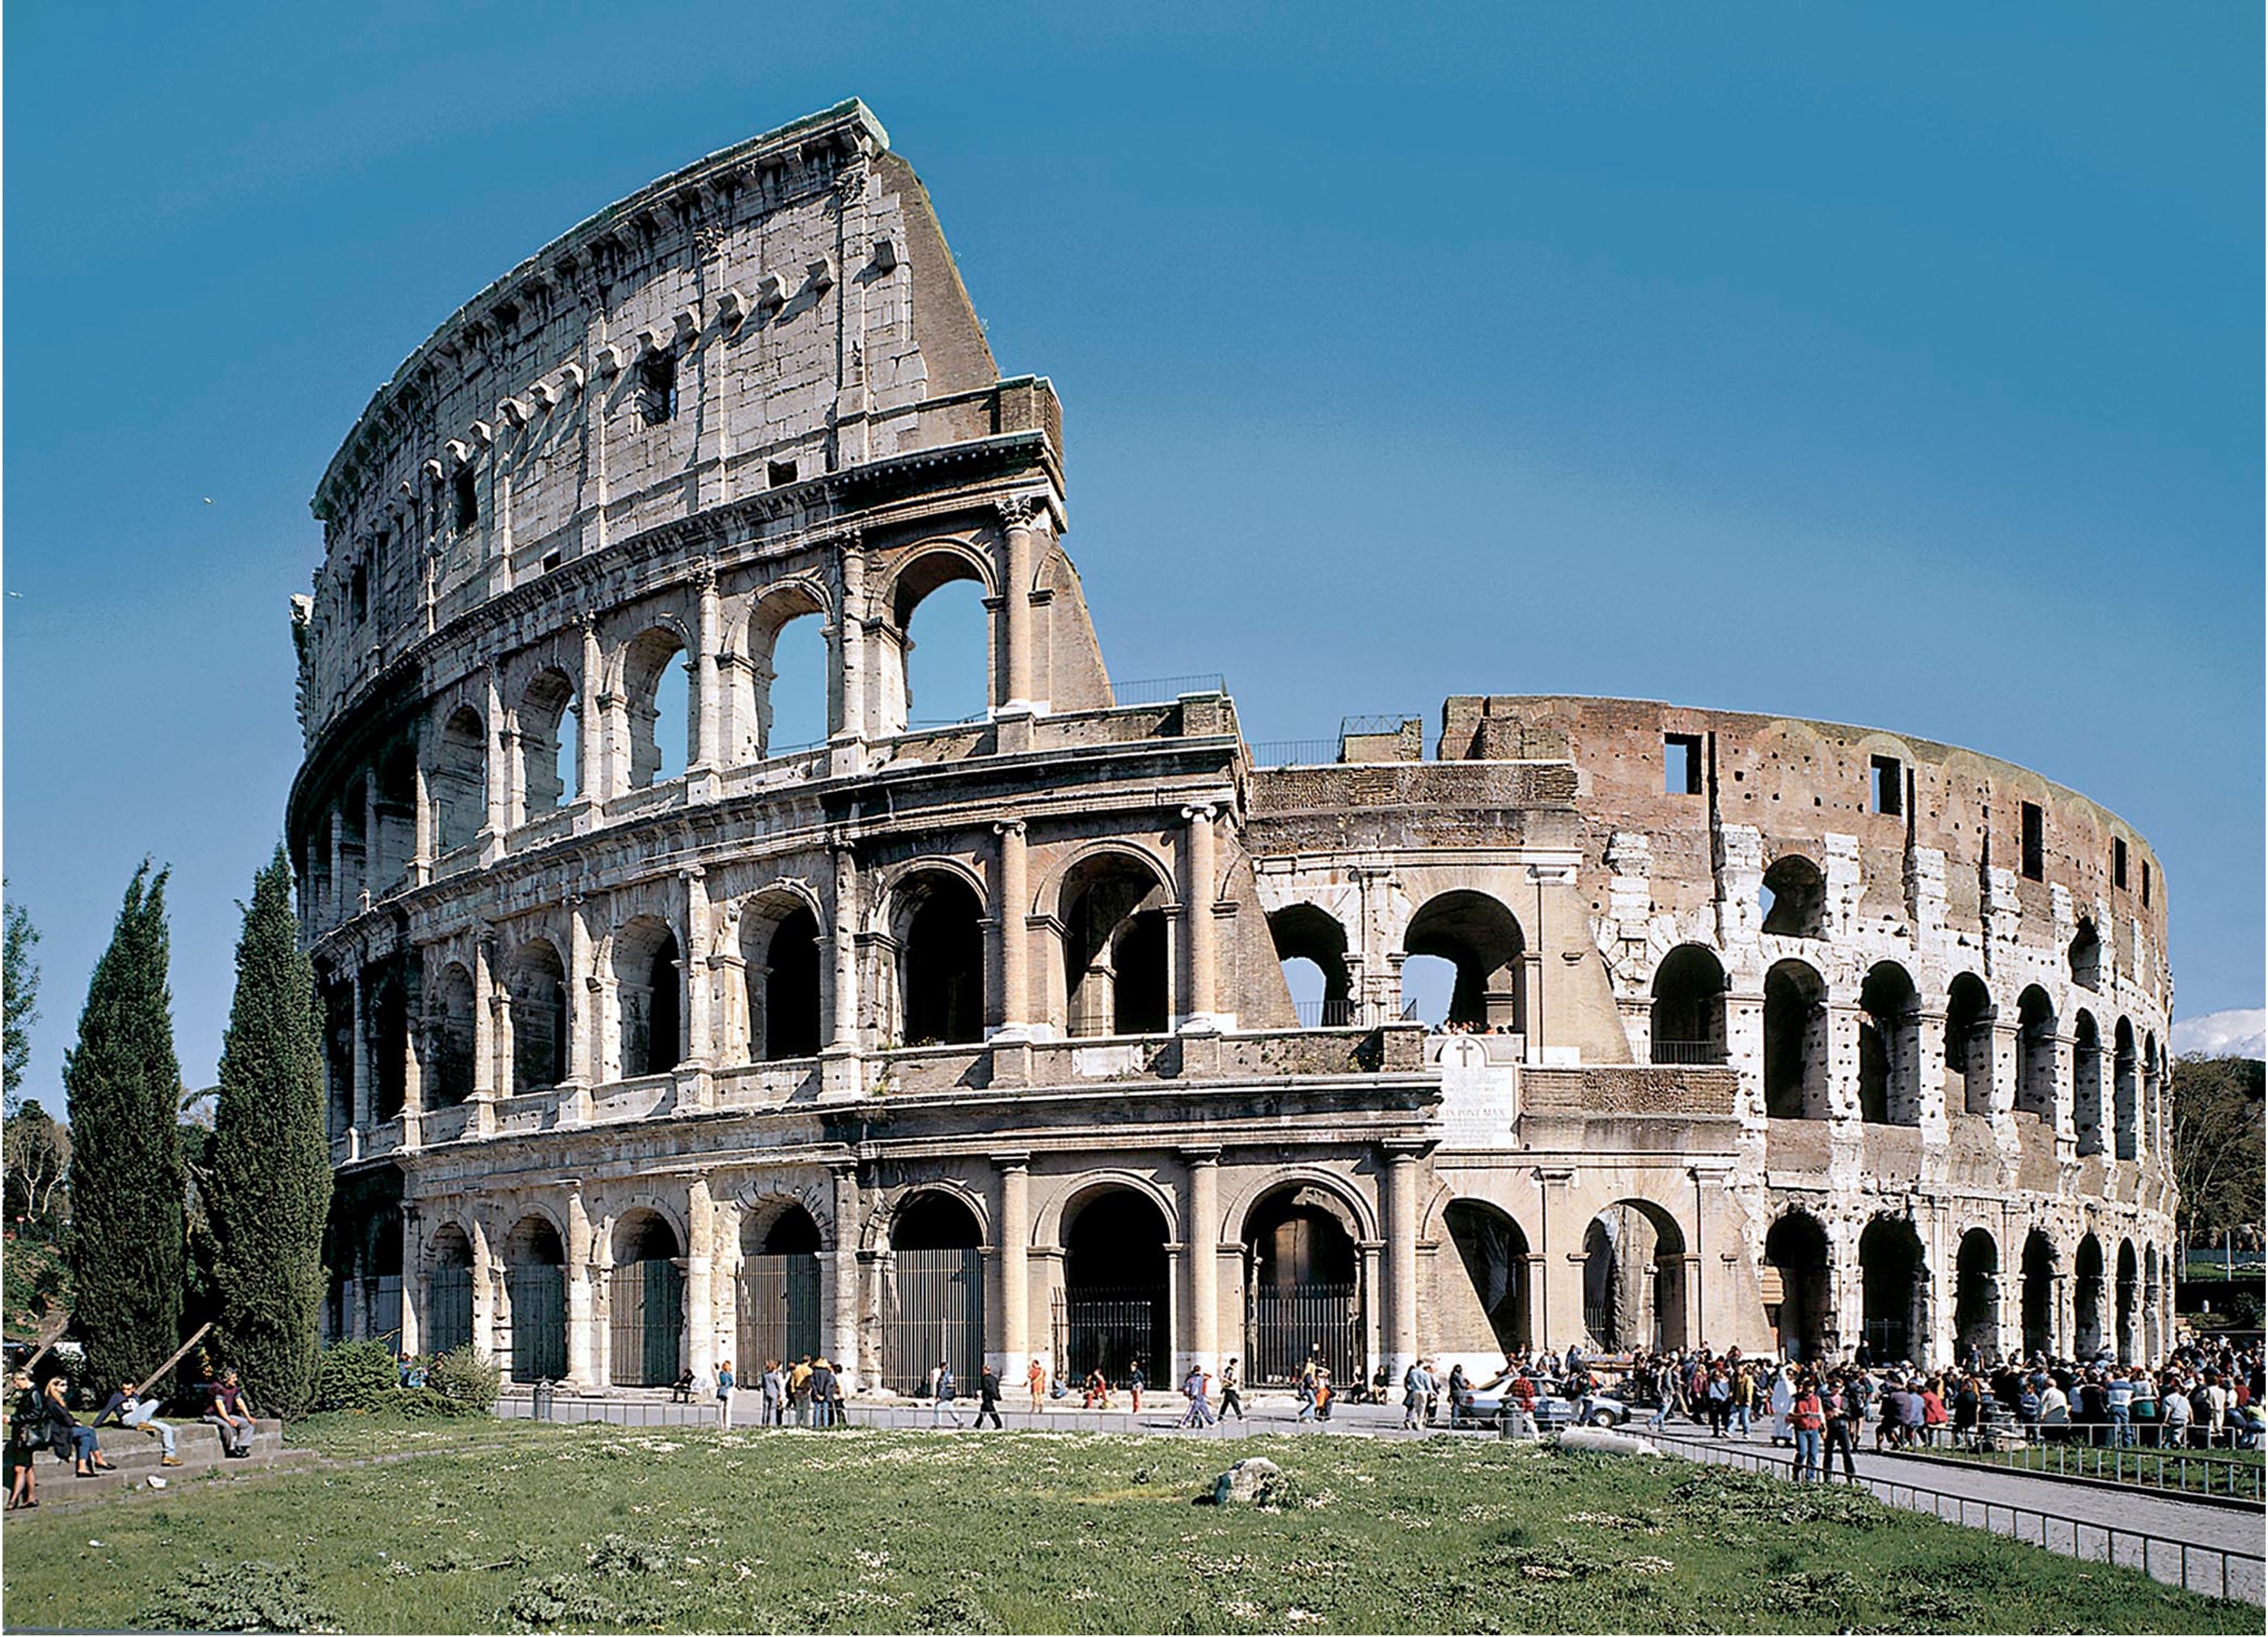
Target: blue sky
[[1900, 368]]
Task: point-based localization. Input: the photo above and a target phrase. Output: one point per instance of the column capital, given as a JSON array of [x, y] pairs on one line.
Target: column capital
[[1201, 810], [1201, 1154], [1017, 1159], [1401, 1150], [1008, 827], [1016, 510]]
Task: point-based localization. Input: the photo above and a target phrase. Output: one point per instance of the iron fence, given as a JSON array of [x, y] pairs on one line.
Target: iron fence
[[779, 1309], [538, 1293], [449, 1308], [2180, 1470], [645, 1303], [1293, 752], [1688, 1052], [1110, 1331], [2213, 1571], [933, 1309], [1166, 689], [1286, 1327], [1325, 1014]]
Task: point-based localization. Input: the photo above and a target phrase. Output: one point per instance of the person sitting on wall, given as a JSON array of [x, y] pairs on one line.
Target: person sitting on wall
[[66, 1437], [132, 1410], [682, 1390]]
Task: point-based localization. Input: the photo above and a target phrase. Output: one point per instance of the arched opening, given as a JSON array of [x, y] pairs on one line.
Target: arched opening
[[538, 988], [1114, 945], [2125, 1091], [337, 999], [779, 1289], [944, 645], [1977, 1296], [2038, 1299], [387, 996], [2125, 1297], [449, 1291], [779, 946], [1311, 946], [1687, 1020], [2086, 955], [1495, 1253], [2153, 1096], [1634, 1278], [535, 1295], [449, 1069], [353, 843], [2087, 1299], [1893, 1286], [1969, 1040], [1797, 1293], [384, 1260], [1890, 1047], [546, 720], [1483, 939], [1795, 1042], [1794, 898], [645, 1302], [1428, 983], [785, 706], [657, 693], [2035, 1055], [459, 782], [933, 1294], [648, 997], [1114, 1310], [396, 839], [1303, 1299], [2086, 1084], [2153, 1341], [940, 961]]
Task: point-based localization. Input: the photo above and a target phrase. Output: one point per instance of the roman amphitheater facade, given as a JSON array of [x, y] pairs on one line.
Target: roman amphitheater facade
[[976, 1041]]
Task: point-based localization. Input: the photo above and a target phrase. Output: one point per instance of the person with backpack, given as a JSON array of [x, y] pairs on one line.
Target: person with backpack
[[1230, 1402], [942, 1390]]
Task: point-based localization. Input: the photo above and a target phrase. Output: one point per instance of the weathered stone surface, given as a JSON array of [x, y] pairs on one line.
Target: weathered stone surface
[[1250, 1482]]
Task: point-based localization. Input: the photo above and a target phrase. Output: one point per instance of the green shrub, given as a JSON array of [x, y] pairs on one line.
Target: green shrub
[[356, 1376], [240, 1597], [466, 1375], [419, 1404]]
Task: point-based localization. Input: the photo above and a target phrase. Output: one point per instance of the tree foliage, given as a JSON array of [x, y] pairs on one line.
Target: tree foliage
[[269, 1186], [126, 1243], [2217, 1149], [19, 975], [39, 1155]]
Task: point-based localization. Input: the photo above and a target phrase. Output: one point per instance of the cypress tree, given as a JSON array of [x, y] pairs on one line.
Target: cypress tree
[[271, 1161], [127, 1222]]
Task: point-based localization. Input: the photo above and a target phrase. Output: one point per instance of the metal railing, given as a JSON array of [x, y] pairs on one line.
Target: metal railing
[[1325, 1014], [1166, 689], [2211, 1571], [1293, 752], [1688, 1051], [1380, 722], [2182, 1471]]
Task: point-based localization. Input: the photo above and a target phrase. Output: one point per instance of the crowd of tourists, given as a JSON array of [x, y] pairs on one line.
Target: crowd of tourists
[[41, 1418]]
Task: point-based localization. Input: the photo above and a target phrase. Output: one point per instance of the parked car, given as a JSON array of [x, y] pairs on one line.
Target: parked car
[[1552, 1410]]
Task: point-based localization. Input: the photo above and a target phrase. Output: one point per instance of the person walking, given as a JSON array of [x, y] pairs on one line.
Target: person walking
[[1307, 1391], [26, 1418], [1135, 1382], [723, 1374], [1231, 1404], [943, 1390], [775, 1393], [988, 1399], [1417, 1388], [1783, 1400], [1841, 1431], [1807, 1416], [131, 1410], [1036, 1379]]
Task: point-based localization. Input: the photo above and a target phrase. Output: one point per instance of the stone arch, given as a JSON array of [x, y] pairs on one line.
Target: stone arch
[[2037, 1299], [1687, 1019], [1115, 1310], [457, 783], [1494, 1249], [1889, 1046], [2126, 1301], [646, 661], [1117, 956], [761, 1203], [544, 725], [881, 1224], [649, 969], [1482, 938], [2086, 1083], [1969, 1040], [2126, 1100], [1635, 1291], [1358, 1214], [2036, 1054], [645, 1295], [2086, 1298], [920, 572], [936, 915], [447, 1263], [779, 1284], [1800, 1284], [1894, 1289], [933, 1283], [1304, 1281], [1976, 1295], [2085, 955], [534, 1252], [2153, 1085], [1308, 932], [1049, 1222], [537, 985], [1793, 898], [1795, 1042], [782, 950], [449, 1064], [757, 692]]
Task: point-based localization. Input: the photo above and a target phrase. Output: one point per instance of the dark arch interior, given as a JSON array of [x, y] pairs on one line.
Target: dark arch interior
[[1481, 939], [1795, 895], [1115, 1304], [1969, 1040], [648, 1239], [1297, 1240], [1688, 1023], [1796, 1247], [934, 1222], [1890, 1277], [2039, 1294], [944, 964], [539, 1018], [1115, 963], [792, 1233], [1886, 1046], [1977, 1294], [791, 986], [1794, 1043], [1495, 1253]]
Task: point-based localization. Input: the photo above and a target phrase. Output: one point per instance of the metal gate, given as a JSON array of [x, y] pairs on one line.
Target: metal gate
[[1284, 1326], [386, 1307], [1111, 1328], [646, 1304], [933, 1309], [779, 1309], [449, 1308], [538, 1291]]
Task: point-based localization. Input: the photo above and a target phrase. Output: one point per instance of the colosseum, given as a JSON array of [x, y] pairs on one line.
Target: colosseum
[[653, 1040]]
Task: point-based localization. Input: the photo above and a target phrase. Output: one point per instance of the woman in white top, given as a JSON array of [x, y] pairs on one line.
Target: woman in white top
[[1783, 1400]]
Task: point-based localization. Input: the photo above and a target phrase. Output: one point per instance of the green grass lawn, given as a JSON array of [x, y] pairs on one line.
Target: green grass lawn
[[505, 1527]]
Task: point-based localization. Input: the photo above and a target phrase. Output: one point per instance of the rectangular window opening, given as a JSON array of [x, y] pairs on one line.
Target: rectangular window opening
[[2146, 883], [1889, 780], [2118, 861], [469, 500], [1681, 765], [359, 594], [780, 474], [657, 388], [2035, 843]]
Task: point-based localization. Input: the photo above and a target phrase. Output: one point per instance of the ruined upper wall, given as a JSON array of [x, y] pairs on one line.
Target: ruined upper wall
[[781, 310], [1796, 780]]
